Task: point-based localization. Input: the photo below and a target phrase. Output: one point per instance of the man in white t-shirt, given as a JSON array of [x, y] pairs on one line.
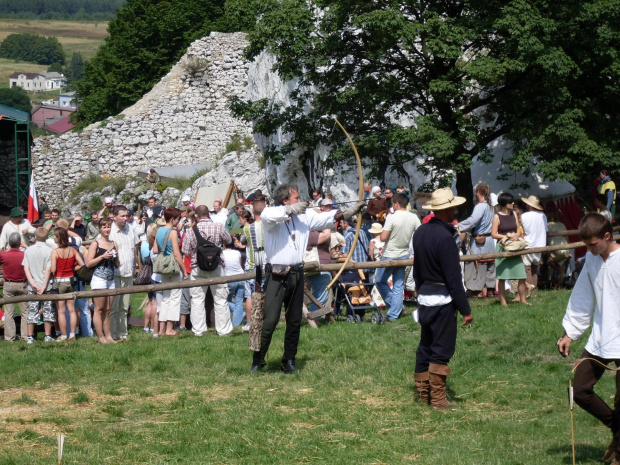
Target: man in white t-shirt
[[397, 232], [535, 226]]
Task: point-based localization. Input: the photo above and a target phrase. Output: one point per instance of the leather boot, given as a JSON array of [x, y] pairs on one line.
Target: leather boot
[[422, 385], [610, 453], [258, 362], [437, 376]]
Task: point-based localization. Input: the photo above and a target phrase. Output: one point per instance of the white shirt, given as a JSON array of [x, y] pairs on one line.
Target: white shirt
[[535, 227], [126, 242], [10, 227], [232, 262], [595, 299], [220, 217], [286, 241]]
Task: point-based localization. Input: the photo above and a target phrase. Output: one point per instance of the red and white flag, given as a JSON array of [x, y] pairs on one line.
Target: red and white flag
[[33, 202]]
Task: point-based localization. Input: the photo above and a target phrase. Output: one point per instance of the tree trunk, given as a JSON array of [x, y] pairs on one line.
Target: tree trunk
[[465, 188]]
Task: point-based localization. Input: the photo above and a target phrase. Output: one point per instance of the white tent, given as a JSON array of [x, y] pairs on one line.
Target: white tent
[[487, 174]]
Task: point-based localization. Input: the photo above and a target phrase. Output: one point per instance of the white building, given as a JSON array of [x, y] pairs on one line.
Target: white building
[[54, 80], [32, 82]]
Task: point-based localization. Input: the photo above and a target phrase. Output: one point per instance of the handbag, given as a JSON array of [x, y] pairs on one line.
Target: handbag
[[166, 264], [144, 276], [510, 245], [85, 274], [312, 256]]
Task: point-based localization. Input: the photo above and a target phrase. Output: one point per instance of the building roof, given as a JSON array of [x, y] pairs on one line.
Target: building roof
[[61, 126], [53, 75], [28, 75], [53, 107], [68, 94], [14, 114]]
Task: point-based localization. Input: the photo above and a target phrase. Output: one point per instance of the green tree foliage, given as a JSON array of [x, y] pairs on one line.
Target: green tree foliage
[[16, 97], [146, 39], [81, 10], [76, 68], [436, 82], [33, 48]]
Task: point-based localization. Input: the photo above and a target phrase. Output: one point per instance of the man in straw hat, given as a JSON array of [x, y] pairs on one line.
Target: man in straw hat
[[594, 301], [17, 224], [534, 223], [438, 278]]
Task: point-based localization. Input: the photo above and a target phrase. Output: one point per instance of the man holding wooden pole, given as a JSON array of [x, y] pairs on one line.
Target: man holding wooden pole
[[595, 299]]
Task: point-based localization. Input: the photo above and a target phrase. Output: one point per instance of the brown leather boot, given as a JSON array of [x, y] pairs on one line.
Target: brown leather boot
[[422, 385], [438, 375]]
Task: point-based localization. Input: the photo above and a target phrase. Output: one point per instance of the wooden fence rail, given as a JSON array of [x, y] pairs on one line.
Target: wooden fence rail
[[251, 275]]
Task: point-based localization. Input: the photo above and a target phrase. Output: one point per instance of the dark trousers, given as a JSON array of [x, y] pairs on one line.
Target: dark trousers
[[437, 337], [287, 290], [587, 375]]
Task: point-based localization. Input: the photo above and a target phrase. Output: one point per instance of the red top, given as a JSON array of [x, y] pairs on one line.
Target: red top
[[13, 268], [65, 266]]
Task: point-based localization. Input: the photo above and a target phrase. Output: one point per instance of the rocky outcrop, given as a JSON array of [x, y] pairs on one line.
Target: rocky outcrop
[[183, 120]]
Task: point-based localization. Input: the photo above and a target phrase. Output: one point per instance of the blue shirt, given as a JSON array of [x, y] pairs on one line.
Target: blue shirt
[[480, 221]]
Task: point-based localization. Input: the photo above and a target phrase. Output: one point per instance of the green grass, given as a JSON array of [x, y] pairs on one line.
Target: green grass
[[191, 400]]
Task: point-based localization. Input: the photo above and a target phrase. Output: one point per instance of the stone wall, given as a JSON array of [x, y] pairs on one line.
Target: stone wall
[[184, 119]]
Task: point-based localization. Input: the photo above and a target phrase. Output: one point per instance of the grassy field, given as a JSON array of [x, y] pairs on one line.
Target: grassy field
[[191, 400], [74, 36]]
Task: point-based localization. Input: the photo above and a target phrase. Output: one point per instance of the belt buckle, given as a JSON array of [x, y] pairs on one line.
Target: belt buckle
[[280, 270]]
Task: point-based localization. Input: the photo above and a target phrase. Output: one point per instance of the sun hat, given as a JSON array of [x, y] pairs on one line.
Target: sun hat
[[533, 202], [160, 222], [443, 198], [185, 198], [326, 202], [376, 228], [16, 211]]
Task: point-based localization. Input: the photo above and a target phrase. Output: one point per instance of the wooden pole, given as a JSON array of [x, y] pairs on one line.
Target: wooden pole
[[252, 275]]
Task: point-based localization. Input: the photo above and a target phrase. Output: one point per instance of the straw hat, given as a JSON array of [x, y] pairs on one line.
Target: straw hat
[[160, 222], [443, 199], [533, 202], [376, 228]]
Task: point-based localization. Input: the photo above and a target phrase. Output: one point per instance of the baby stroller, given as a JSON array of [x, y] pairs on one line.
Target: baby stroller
[[354, 294]]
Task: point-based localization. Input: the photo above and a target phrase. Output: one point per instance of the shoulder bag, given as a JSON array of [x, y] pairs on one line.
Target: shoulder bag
[[166, 264]]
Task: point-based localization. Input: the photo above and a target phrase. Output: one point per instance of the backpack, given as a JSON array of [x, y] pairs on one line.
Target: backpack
[[207, 253]]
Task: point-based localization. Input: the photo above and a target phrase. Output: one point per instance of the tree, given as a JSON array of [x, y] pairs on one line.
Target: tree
[[76, 69], [33, 48], [146, 39], [16, 97], [437, 81]]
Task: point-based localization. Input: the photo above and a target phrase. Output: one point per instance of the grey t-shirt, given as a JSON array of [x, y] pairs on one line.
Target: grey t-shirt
[[38, 258]]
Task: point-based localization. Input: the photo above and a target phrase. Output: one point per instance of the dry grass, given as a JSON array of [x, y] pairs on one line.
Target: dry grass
[[74, 36]]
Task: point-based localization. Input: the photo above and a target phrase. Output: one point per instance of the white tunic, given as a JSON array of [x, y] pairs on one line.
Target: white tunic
[[286, 241], [595, 298]]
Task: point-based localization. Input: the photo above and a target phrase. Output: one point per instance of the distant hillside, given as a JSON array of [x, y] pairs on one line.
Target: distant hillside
[[75, 10]]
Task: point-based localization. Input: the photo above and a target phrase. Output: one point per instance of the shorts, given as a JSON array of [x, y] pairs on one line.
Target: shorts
[[531, 259], [63, 287], [99, 283], [250, 285]]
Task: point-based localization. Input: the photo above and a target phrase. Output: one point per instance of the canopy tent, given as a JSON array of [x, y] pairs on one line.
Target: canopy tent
[[206, 195], [483, 173], [15, 140]]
